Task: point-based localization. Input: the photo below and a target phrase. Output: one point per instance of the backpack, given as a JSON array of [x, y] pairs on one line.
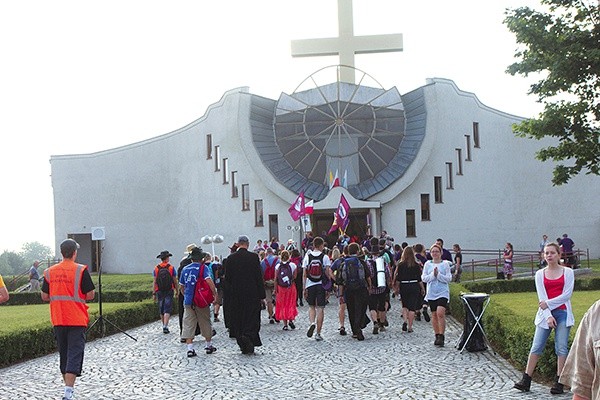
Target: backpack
[[164, 279], [315, 267], [269, 273], [353, 273], [203, 296], [285, 276]]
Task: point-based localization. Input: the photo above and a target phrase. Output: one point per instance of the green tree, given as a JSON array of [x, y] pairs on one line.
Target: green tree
[[563, 45], [12, 263], [32, 251]]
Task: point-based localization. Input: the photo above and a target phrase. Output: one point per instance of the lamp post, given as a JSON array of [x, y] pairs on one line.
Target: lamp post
[[212, 240], [293, 228]]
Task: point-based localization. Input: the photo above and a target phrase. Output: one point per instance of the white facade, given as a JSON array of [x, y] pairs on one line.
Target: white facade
[[164, 193]]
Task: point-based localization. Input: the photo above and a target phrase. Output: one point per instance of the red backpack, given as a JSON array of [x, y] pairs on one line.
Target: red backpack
[[203, 296], [269, 274]]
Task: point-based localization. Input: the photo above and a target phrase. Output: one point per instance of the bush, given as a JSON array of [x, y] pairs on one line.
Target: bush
[[108, 296], [523, 285]]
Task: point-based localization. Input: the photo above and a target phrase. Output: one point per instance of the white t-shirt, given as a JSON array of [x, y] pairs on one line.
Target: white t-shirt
[[326, 264]]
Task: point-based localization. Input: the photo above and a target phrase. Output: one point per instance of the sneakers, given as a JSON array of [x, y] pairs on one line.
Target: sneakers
[[216, 319], [271, 320], [439, 340], [311, 330], [182, 340], [191, 353], [557, 388], [382, 327], [426, 315], [210, 349], [318, 337], [165, 329], [524, 384], [342, 331], [404, 327], [292, 325]]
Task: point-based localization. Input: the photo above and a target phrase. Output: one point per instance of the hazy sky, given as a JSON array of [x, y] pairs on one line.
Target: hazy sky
[[80, 76]]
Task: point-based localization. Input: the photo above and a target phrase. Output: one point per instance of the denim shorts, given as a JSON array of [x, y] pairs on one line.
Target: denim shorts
[[165, 302], [561, 335]]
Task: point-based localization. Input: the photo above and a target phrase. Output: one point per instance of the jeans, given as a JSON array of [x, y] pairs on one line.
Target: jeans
[[561, 335]]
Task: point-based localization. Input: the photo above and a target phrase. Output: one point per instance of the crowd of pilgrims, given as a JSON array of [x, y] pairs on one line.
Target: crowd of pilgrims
[[415, 275]]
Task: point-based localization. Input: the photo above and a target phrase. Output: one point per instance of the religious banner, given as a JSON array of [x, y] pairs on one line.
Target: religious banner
[[341, 217], [298, 208], [306, 225]]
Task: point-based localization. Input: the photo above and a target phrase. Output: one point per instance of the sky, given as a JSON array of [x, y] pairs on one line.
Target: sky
[[80, 77]]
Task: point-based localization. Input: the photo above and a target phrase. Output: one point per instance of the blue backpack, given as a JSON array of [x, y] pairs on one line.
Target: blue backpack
[[353, 273]]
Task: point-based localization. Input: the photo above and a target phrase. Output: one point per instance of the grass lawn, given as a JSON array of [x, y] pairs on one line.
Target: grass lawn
[[526, 304], [38, 315]]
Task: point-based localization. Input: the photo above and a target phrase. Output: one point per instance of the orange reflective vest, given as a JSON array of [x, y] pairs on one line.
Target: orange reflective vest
[[67, 301]]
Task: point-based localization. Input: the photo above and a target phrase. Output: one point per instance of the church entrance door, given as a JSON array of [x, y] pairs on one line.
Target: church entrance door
[[322, 220]]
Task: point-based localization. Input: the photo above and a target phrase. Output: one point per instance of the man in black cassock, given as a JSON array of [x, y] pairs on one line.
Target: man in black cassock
[[245, 292]]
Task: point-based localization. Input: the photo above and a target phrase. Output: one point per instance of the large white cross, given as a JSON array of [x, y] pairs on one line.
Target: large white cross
[[346, 45]]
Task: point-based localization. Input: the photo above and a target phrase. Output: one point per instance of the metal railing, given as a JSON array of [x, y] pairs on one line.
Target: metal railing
[[12, 283], [521, 259]]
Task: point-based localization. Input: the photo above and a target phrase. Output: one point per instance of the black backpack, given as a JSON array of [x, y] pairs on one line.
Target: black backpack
[[164, 279], [353, 273], [285, 276]]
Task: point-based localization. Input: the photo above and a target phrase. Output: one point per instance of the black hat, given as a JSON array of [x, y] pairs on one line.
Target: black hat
[[164, 254], [197, 254]]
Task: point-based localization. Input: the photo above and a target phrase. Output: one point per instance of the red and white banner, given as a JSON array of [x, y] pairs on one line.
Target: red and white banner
[[298, 208]]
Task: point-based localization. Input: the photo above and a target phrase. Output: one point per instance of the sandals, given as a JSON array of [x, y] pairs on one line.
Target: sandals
[[292, 325], [285, 328], [191, 353], [342, 331]]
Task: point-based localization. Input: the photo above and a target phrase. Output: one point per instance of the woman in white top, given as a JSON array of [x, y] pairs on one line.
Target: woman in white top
[[554, 286], [437, 275]]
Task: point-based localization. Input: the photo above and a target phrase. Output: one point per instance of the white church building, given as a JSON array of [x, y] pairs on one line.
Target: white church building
[[433, 162]]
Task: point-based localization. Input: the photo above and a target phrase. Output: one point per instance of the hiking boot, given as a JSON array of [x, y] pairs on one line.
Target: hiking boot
[[442, 339], [191, 353], [375, 329], [404, 327], [318, 337], [426, 315], [292, 325], [311, 330], [437, 340], [524, 384], [342, 331], [557, 388], [210, 349]]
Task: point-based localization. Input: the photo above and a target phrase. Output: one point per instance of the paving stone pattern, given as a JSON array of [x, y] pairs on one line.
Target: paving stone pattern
[[289, 365]]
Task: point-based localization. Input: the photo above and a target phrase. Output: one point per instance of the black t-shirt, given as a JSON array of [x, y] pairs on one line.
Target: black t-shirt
[[406, 273], [86, 283]]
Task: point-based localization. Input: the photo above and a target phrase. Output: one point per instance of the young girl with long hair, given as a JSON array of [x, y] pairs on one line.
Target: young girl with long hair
[[437, 275], [285, 291], [554, 286]]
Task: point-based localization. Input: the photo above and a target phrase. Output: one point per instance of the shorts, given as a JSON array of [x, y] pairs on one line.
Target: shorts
[[219, 299], [71, 344], [193, 316], [165, 302], [316, 296], [269, 294], [441, 302], [377, 302]]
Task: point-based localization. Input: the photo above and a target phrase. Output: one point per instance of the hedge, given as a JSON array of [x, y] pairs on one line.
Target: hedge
[[38, 341], [108, 296], [523, 285]]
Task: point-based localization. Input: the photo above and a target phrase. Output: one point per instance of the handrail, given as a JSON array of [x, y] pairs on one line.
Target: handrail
[[48, 263]]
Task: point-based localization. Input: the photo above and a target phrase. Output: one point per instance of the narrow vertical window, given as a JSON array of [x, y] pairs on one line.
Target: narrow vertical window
[[245, 197], [217, 158], [258, 213], [476, 134], [234, 187], [411, 227], [425, 216], [437, 189], [449, 177], [468, 139], [208, 146], [225, 171], [459, 161]]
